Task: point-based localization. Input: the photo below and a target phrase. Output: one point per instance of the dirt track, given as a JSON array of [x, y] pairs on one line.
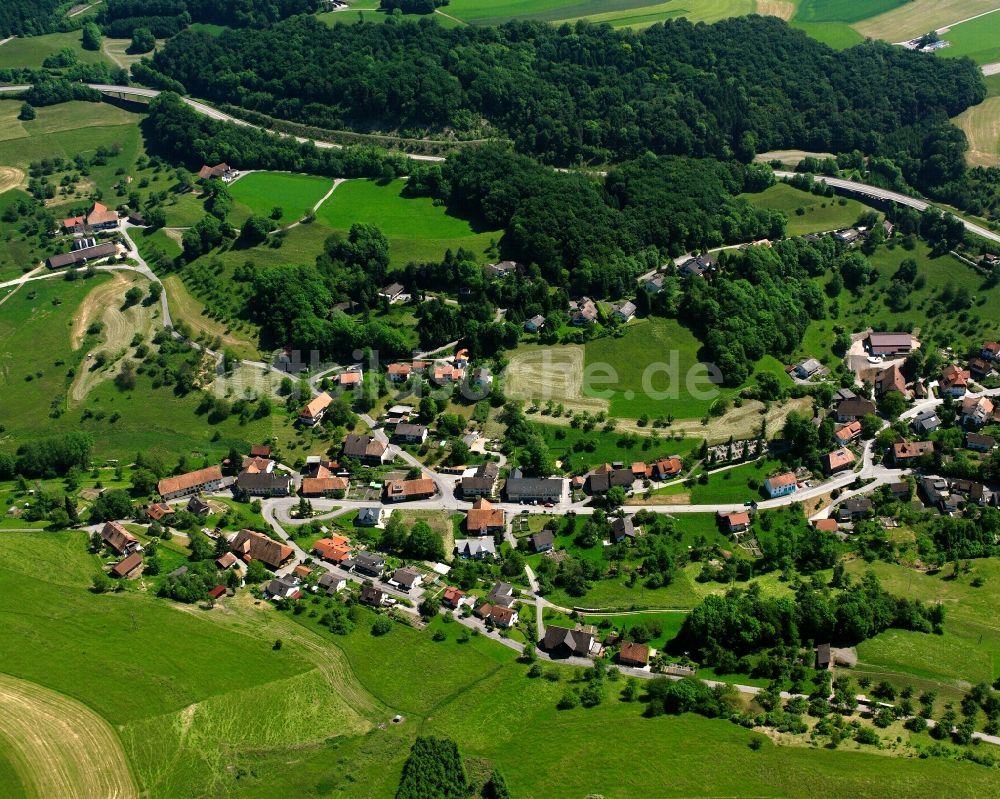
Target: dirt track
[[59, 747]]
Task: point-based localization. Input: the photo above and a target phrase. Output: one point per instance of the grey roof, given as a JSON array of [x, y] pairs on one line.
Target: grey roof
[[534, 487], [622, 528], [406, 430], [366, 560], [264, 481], [484, 479], [81, 256], [405, 576], [281, 585], [560, 640], [475, 547], [329, 578], [369, 516], [545, 538]]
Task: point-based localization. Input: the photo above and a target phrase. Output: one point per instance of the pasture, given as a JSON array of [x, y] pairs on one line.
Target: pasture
[[979, 39], [648, 14], [31, 51], [261, 192], [819, 214], [981, 124], [417, 229], [913, 19], [843, 10]]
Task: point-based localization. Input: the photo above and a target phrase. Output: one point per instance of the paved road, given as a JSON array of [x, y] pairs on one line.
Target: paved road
[[864, 190]]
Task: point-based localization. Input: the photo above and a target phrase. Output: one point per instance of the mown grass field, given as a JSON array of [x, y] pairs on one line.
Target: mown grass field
[[574, 447], [417, 229], [979, 39], [650, 13], [820, 214], [915, 18], [981, 124], [31, 51], [843, 10], [260, 192]]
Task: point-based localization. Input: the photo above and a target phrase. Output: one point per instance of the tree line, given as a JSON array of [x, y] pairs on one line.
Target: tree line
[[164, 18]]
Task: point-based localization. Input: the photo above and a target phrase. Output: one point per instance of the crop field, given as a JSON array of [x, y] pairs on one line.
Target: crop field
[[912, 19], [417, 229], [260, 192], [979, 39], [31, 51], [843, 10], [981, 124], [645, 15], [551, 373], [820, 214]]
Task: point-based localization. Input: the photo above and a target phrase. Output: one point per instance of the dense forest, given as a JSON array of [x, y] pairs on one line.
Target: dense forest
[[584, 92], [120, 18], [28, 17]]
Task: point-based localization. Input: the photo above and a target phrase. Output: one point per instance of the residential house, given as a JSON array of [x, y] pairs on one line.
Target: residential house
[[890, 344], [640, 471], [605, 477], [854, 508], [265, 484], [991, 351], [373, 516], [406, 579], [665, 468], [938, 494], [781, 485], [502, 617], [312, 414], [445, 373], [735, 522], [542, 541], [634, 655], [698, 266], [979, 442], [849, 410], [392, 292], [399, 372], [334, 548], [370, 595], [120, 540], [324, 486], [484, 519], [454, 598], [977, 411], [926, 422], [838, 460], [534, 324], [842, 394], [82, 256], [366, 448], [980, 368], [847, 236], [410, 433], [826, 525], [502, 269], [900, 489], [502, 594], [624, 312], [561, 642], [129, 568], [352, 378], [807, 368], [583, 312], [481, 379], [226, 561], [905, 451], [622, 528], [332, 583], [250, 545], [222, 172], [409, 490], [974, 492], [533, 489], [100, 217], [483, 482], [888, 227], [890, 379], [954, 381], [157, 510], [369, 563], [655, 284], [198, 506], [847, 433], [286, 587], [398, 414], [260, 451], [475, 548]]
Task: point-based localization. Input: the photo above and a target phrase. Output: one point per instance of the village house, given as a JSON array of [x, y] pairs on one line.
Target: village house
[[324, 486], [370, 595], [807, 368], [392, 292], [823, 657], [847, 433], [634, 655], [184, 485], [979, 442], [901, 489], [312, 413], [904, 451], [398, 414], [542, 541], [502, 617], [372, 516], [334, 548], [332, 583], [484, 519], [217, 592], [100, 217], [198, 506], [501, 594], [925, 422], [454, 598], [502, 269], [369, 563], [826, 525], [475, 548], [352, 378], [624, 312], [483, 482], [974, 492], [980, 368], [286, 587], [222, 172], [847, 235], [264, 484], [850, 410], [838, 460], [250, 545], [665, 468], [894, 345], [991, 351], [129, 568], [118, 539], [954, 381], [735, 522], [781, 485], [534, 324], [582, 312], [937, 494], [446, 373], [406, 579], [977, 411], [260, 451], [854, 508], [698, 266], [623, 528], [82, 255], [410, 433], [533, 489], [561, 642], [157, 510], [398, 372], [605, 477], [366, 448], [409, 490], [654, 285], [226, 561], [890, 379]]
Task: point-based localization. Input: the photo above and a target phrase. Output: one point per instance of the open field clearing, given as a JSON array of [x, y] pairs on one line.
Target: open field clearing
[[979, 39], [910, 20], [981, 124], [261, 192], [782, 9], [31, 51], [646, 15], [551, 373], [417, 229], [819, 214], [116, 52], [843, 10], [58, 746], [492, 12]]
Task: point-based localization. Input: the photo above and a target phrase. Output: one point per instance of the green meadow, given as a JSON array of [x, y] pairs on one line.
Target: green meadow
[[417, 229], [261, 192], [818, 214], [843, 10], [575, 447], [31, 51], [979, 39]]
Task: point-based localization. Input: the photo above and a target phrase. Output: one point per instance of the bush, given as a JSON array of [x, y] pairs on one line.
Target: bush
[[382, 625], [569, 700]]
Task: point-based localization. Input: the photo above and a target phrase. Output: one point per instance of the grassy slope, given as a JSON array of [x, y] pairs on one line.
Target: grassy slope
[[821, 213], [606, 447], [979, 39], [843, 10], [260, 192], [417, 229], [919, 16], [31, 51]]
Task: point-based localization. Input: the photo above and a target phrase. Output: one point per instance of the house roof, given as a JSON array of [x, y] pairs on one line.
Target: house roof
[[848, 431], [473, 547], [623, 527], [406, 430], [349, 378], [79, 256], [992, 347], [369, 560], [890, 341], [980, 440], [577, 642], [371, 514], [263, 481], [857, 407], [409, 488], [316, 406], [260, 451], [982, 405], [839, 458], [826, 525], [543, 538], [781, 480], [483, 516], [911, 449], [157, 510], [452, 595], [954, 377], [129, 564], [890, 379], [335, 548], [668, 466], [226, 560], [322, 485], [406, 576], [634, 653], [257, 546], [328, 579], [216, 171], [185, 482], [217, 592], [502, 615], [534, 487], [484, 479], [399, 369], [117, 537], [363, 446], [735, 519]]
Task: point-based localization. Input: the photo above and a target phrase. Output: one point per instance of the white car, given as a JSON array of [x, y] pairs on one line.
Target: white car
[[874, 359]]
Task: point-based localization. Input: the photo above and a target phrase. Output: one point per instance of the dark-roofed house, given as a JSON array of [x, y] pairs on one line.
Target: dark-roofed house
[[622, 528], [699, 266], [850, 409], [406, 579], [184, 485], [332, 583], [807, 368], [534, 324], [370, 564], [605, 477], [501, 269], [392, 291], [635, 655], [583, 312], [501, 594], [938, 494], [926, 422], [251, 545], [81, 256], [373, 516], [119, 539], [624, 312], [264, 484], [980, 442], [410, 433], [894, 344], [483, 483], [533, 489], [542, 541], [198, 506], [561, 642], [370, 595], [129, 568], [366, 448], [854, 508]]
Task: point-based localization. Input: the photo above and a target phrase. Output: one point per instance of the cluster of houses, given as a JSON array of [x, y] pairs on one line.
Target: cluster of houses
[[86, 248], [610, 475]]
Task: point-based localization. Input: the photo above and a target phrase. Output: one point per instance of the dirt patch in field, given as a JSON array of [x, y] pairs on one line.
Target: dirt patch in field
[[58, 746], [104, 305], [661, 499], [783, 9], [553, 374], [10, 178]]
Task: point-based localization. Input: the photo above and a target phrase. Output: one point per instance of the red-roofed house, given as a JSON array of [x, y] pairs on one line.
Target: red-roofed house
[[838, 460], [781, 485], [735, 522]]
